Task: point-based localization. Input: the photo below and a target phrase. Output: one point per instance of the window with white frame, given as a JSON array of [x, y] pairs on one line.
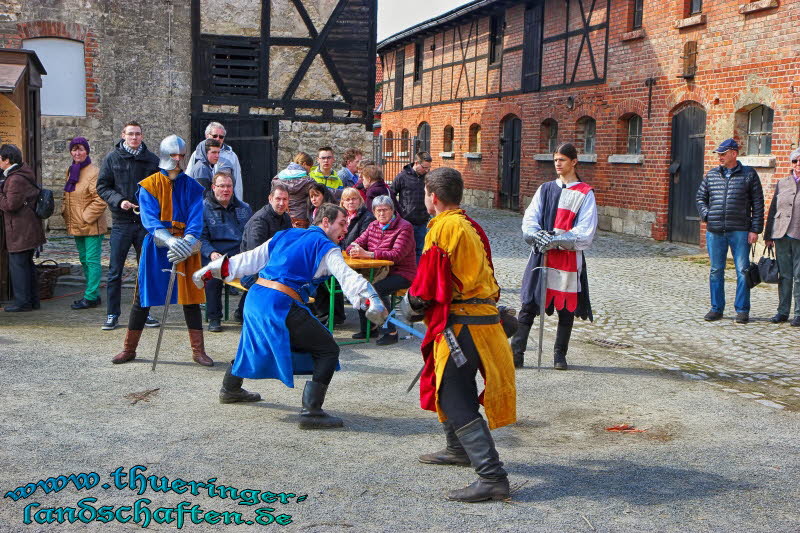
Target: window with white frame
[[759, 130], [64, 87]]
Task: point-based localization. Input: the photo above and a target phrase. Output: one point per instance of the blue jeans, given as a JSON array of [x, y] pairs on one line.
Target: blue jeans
[[123, 236], [718, 244], [419, 238]]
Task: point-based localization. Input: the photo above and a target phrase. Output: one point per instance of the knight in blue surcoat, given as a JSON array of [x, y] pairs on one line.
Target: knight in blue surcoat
[[281, 336]]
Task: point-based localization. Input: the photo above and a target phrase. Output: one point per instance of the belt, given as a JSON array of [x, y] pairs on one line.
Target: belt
[[280, 287], [489, 301], [480, 320]]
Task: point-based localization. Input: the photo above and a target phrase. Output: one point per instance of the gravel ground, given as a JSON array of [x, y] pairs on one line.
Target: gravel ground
[[706, 460]]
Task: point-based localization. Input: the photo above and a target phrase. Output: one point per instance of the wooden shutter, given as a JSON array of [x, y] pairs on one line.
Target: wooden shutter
[[689, 59], [399, 79], [532, 48]]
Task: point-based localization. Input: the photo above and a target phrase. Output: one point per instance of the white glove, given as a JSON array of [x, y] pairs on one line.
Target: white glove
[[211, 270], [376, 312]]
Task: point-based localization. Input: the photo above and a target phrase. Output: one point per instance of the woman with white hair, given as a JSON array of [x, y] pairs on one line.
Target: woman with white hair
[[387, 237], [783, 231]]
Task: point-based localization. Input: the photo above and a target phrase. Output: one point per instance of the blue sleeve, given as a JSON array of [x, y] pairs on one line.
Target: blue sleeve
[[194, 220], [150, 211], [205, 244]]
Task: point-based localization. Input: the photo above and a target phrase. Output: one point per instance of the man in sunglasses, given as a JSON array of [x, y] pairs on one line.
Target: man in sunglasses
[[731, 203], [227, 157]]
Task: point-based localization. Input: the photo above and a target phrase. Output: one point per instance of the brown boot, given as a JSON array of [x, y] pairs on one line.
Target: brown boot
[[198, 349], [128, 352]]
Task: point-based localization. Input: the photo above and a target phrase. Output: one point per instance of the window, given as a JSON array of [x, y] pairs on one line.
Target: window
[[635, 134], [759, 130], [497, 25], [404, 142], [638, 9], [475, 138], [388, 142], [695, 6], [418, 61], [64, 88], [532, 47], [550, 135], [423, 138], [449, 133], [586, 134]]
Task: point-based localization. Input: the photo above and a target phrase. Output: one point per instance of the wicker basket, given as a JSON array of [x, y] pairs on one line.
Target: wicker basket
[[48, 277]]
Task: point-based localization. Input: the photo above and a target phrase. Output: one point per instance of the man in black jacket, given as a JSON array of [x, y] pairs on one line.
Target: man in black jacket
[[123, 168], [265, 223], [409, 186], [731, 202]]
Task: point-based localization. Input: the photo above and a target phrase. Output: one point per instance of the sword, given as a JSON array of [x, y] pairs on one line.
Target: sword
[[542, 298], [172, 275]]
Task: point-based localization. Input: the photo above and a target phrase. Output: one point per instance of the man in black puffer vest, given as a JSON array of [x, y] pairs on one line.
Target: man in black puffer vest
[[731, 202]]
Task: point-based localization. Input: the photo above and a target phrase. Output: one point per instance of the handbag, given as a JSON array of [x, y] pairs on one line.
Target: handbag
[[768, 266], [751, 273]]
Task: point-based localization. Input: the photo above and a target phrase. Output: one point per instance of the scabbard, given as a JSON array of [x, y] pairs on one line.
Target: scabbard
[[456, 354]]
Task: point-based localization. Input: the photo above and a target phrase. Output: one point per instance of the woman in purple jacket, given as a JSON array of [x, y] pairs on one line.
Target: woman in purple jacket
[[387, 237]]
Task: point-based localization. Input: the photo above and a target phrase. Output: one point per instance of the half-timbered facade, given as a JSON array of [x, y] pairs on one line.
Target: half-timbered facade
[[644, 88], [281, 75]]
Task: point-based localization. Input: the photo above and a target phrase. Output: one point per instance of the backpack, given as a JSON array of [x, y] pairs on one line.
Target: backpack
[[45, 204]]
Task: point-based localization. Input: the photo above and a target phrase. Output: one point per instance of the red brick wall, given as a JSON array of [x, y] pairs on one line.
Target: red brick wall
[[743, 60], [75, 32]]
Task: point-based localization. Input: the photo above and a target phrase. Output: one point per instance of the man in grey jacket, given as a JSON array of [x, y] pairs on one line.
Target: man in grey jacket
[[731, 202]]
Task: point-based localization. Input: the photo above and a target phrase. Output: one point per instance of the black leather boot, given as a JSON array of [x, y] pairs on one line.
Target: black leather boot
[[312, 416], [561, 346], [518, 344], [232, 391], [493, 481], [452, 454]]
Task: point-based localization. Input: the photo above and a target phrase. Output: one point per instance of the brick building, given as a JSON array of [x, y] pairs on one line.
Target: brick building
[[281, 75], [645, 89]]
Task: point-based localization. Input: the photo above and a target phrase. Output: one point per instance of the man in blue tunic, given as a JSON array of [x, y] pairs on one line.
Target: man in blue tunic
[[279, 331], [171, 205]]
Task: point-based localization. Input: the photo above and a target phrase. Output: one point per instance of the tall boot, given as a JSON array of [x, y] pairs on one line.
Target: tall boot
[[519, 342], [198, 348], [492, 483], [561, 346], [128, 352], [232, 391], [312, 416], [452, 454]]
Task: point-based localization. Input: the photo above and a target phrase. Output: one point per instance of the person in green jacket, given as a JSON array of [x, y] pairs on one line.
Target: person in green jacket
[[323, 173]]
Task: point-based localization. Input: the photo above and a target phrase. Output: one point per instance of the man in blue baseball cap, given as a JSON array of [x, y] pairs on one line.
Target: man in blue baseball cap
[[731, 203]]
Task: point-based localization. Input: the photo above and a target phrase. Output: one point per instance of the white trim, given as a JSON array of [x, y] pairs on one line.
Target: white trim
[[630, 159], [758, 161]]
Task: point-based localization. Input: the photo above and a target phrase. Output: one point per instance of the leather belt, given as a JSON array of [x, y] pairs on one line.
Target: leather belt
[[489, 301], [280, 287], [473, 320]]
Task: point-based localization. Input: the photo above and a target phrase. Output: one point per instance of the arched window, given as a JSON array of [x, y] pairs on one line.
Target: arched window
[[388, 142], [586, 135], [64, 88], [759, 130], [549, 135], [405, 143], [449, 133], [423, 138], [475, 138], [634, 124]]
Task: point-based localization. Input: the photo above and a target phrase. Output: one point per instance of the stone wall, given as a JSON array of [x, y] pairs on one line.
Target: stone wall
[[310, 136], [478, 197], [628, 221]]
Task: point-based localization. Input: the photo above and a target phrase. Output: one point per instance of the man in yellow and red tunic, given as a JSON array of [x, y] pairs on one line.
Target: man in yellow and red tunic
[[171, 206], [456, 288]]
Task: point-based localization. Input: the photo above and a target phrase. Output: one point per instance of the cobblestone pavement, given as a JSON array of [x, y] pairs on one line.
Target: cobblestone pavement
[[648, 298]]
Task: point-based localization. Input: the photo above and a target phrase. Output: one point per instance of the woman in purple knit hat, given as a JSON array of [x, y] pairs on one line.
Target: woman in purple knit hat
[[84, 215]]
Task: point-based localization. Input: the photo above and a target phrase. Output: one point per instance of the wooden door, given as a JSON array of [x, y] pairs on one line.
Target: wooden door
[[509, 183], [686, 172]]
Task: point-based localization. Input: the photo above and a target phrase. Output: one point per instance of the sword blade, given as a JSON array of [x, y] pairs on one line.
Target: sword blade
[[542, 297], [172, 275]]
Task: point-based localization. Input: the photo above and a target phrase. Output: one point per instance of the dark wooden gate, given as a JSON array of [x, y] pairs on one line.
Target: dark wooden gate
[[686, 172], [509, 178], [423, 141], [255, 142]]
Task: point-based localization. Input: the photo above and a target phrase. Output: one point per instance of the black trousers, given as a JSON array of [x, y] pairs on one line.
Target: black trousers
[[307, 334], [566, 319], [24, 278], [138, 316], [322, 303], [458, 392], [214, 288], [385, 288]]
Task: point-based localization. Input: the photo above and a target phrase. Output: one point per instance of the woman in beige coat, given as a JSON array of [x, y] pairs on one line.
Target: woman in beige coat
[[84, 214]]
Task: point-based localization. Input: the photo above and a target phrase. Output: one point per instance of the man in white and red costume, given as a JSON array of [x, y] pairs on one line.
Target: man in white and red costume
[[560, 222]]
